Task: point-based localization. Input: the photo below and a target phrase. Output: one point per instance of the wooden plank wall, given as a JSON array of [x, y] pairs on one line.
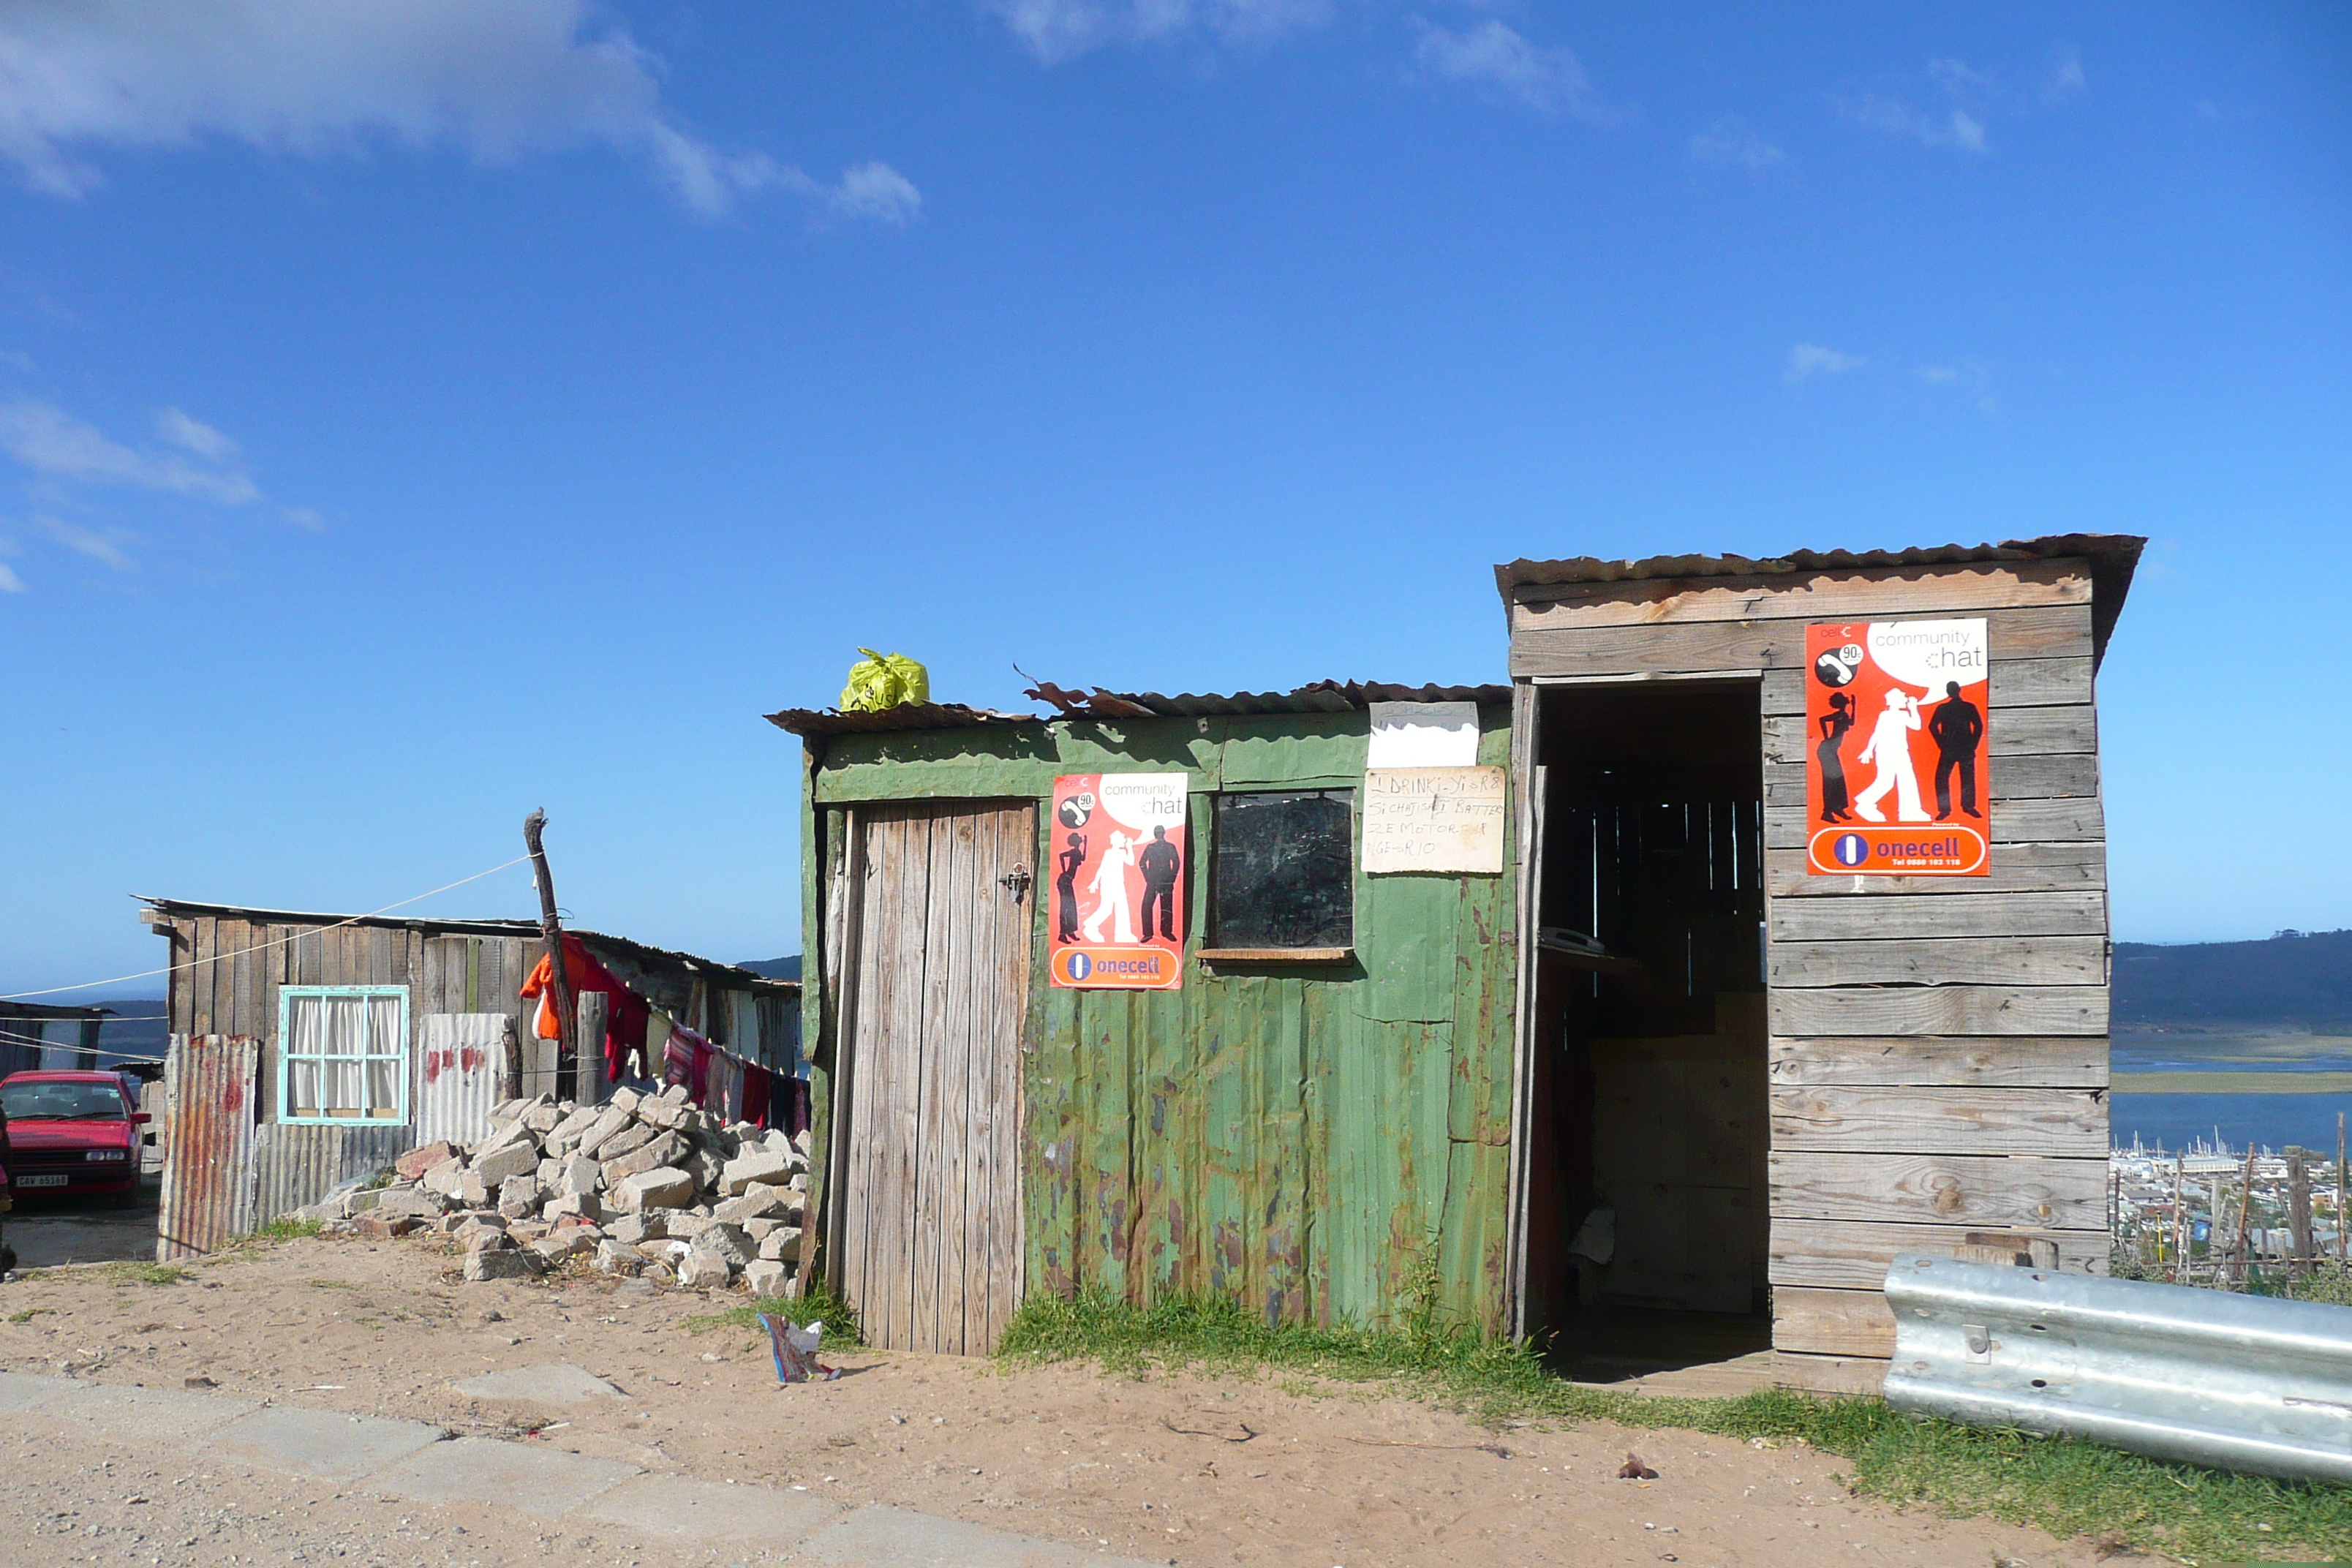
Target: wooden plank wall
[[1938, 1054]]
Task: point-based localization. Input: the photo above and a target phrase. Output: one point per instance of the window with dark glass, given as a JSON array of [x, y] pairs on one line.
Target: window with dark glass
[[1283, 871]]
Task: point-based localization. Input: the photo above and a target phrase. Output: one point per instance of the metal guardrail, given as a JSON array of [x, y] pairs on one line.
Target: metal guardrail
[[2238, 1382]]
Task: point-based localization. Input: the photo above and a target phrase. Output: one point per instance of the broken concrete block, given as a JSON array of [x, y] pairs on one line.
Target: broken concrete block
[[609, 1123], [685, 1225], [443, 1178], [471, 1190], [705, 1271], [665, 1186], [422, 1157], [574, 1205], [765, 1277], [758, 1201], [526, 1229], [497, 1263], [728, 1242], [704, 1166], [624, 1099], [665, 1112], [360, 1202], [578, 1173], [782, 1244], [557, 1245], [581, 1118], [414, 1202], [383, 1227], [618, 1257], [547, 1169], [628, 1140], [634, 1228], [757, 1167], [799, 1182], [804, 1141], [674, 1094], [542, 1116], [476, 1228], [759, 1230], [665, 1149], [500, 1166]]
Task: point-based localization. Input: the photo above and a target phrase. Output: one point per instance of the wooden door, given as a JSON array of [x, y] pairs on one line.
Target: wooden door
[[935, 902]]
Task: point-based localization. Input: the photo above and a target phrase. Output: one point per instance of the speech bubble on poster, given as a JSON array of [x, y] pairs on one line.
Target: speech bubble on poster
[[1928, 654]]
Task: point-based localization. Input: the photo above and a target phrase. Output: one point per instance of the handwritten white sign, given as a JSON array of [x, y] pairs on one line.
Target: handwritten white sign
[[1434, 819]]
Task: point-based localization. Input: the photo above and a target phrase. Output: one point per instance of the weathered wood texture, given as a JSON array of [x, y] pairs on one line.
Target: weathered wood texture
[[1875, 593], [1941, 1010], [2016, 867], [1994, 958], [1942, 1189], [1940, 1120], [928, 1245], [1846, 1255], [1296, 1138], [2034, 1061], [2021, 732], [1550, 652], [1831, 1323]]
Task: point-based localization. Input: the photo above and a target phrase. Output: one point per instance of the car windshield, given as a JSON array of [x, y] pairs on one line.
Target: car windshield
[[62, 1101]]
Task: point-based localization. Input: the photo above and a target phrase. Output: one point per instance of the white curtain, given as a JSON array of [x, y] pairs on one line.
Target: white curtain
[[344, 1055], [387, 1056], [306, 1035]]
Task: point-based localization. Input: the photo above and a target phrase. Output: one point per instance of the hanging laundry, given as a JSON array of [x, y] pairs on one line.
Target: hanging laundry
[[686, 1060], [625, 1013], [723, 1085], [757, 1083]]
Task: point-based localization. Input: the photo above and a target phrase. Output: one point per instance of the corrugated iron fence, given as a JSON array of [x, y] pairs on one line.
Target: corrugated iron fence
[[208, 1113], [464, 1061]]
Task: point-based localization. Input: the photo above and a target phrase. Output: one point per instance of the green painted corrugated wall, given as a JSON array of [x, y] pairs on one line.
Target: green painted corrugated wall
[[1294, 1137]]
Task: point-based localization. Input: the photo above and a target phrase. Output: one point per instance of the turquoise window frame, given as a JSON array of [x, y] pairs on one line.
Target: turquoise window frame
[[286, 996]]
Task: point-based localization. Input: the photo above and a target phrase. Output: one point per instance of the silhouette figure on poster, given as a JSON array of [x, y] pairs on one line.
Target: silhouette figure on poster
[[1160, 866], [1957, 727], [1109, 889], [1065, 888], [1890, 750], [1833, 726]]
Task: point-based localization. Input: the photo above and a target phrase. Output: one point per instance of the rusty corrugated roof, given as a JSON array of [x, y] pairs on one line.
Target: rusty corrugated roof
[[1320, 697], [2113, 557]]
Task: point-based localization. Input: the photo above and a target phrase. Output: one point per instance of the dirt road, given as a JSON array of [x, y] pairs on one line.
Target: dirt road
[[1184, 1469]]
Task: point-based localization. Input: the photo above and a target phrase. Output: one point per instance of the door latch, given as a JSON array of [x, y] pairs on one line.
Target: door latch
[[1016, 881]]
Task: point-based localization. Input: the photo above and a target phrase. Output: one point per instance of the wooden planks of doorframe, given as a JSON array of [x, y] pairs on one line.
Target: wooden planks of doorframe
[[1939, 1059]]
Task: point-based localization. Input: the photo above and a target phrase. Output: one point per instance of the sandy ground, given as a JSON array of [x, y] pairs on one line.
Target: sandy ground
[[1186, 1470], [47, 1231]]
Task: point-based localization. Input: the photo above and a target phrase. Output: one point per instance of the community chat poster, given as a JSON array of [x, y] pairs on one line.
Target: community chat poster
[[1898, 768], [1117, 904]]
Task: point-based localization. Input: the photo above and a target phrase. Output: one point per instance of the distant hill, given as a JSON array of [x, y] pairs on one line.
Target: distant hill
[[2297, 979], [775, 968]]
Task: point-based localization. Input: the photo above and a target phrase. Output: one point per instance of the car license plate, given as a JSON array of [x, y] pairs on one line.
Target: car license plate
[[56, 1181]]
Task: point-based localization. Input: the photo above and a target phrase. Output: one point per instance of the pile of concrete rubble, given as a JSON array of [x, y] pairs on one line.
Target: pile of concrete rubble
[[647, 1184]]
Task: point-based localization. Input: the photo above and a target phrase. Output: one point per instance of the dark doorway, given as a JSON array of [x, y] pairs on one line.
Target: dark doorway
[[1647, 1134]]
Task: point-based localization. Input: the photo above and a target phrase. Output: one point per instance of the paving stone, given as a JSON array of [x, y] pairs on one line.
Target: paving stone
[[383, 1227], [666, 1148], [762, 1166], [502, 1166], [558, 1384], [665, 1188], [412, 1200], [705, 1271], [637, 1228], [781, 1242], [128, 1413], [628, 1140], [326, 1444], [765, 1277], [422, 1157], [680, 1508], [879, 1537], [488, 1263], [23, 1391], [609, 1124], [541, 1481], [760, 1201]]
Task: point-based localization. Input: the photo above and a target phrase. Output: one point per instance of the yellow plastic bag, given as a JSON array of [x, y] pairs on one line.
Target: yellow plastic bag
[[882, 681]]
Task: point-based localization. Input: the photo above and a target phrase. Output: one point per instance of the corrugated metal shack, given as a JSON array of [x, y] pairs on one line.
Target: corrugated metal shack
[[1903, 1062], [1310, 1130], [247, 1141], [30, 1036]]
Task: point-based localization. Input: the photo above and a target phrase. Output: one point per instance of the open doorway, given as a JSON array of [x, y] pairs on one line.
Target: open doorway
[[1647, 1128]]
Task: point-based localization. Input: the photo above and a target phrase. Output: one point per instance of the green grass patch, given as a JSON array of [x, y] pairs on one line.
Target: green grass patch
[[29, 1313], [2067, 1487], [144, 1273], [285, 1227], [821, 1305]]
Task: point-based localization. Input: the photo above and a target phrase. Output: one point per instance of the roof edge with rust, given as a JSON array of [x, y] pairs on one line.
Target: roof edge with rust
[[1321, 697]]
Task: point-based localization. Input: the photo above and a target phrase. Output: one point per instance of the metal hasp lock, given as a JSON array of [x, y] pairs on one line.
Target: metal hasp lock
[[1016, 882], [2238, 1382]]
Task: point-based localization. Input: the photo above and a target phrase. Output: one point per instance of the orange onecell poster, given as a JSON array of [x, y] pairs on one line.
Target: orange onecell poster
[[1896, 768], [1118, 904]]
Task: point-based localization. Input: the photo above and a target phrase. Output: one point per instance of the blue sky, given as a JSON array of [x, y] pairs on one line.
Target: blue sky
[[415, 412]]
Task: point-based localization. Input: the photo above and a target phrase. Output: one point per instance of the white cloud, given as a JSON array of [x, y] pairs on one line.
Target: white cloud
[[2066, 77], [55, 445], [1502, 60], [1057, 30], [1731, 139], [97, 546], [1970, 375], [1928, 127], [9, 582], [195, 435], [1807, 361], [320, 78]]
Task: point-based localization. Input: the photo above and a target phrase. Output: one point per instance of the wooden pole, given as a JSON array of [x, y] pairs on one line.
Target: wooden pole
[[589, 1084], [559, 972]]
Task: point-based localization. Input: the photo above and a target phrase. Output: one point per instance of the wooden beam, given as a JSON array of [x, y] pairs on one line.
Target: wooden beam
[[1978, 1190], [1942, 1009], [1849, 1255], [1569, 653], [1991, 960], [2040, 1061], [1863, 917], [2059, 1123]]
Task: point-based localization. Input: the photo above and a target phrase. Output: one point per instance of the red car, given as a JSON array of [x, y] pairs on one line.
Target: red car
[[73, 1134]]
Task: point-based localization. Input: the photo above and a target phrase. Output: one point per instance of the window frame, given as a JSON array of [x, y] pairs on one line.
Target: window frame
[[1214, 948], [287, 996]]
